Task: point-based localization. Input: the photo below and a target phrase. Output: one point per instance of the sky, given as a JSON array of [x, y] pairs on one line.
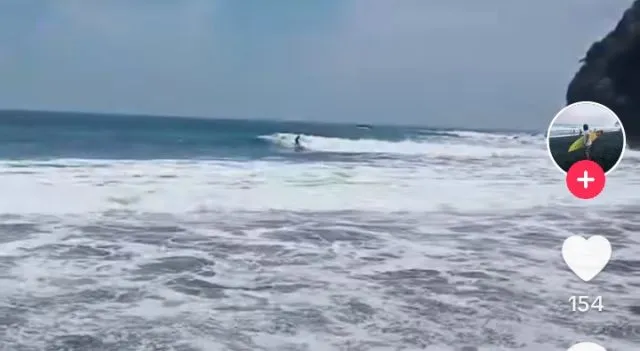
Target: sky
[[595, 115], [453, 63]]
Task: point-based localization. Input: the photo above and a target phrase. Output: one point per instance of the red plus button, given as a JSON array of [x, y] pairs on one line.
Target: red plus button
[[585, 179]]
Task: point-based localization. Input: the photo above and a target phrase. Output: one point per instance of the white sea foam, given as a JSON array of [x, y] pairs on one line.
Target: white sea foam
[[455, 176], [459, 246], [172, 187]]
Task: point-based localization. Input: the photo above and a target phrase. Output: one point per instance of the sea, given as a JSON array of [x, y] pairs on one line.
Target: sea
[[134, 233], [563, 130]]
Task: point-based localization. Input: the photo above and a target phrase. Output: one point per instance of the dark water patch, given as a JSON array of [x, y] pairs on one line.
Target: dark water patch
[[279, 288], [552, 216], [630, 227], [107, 183], [231, 248], [28, 304], [319, 235], [137, 336], [197, 287], [374, 259], [499, 329], [18, 172], [408, 282], [257, 305], [290, 258], [175, 264], [471, 274], [488, 294], [271, 223], [187, 241], [11, 316], [10, 217], [425, 307], [541, 237], [471, 228], [523, 257], [412, 334], [44, 165], [156, 235], [625, 213], [18, 231], [409, 274], [80, 252], [618, 329], [500, 338], [353, 310], [7, 263], [77, 342], [627, 268], [93, 296], [615, 232], [292, 321], [150, 235], [93, 230], [618, 237], [83, 251], [74, 282]]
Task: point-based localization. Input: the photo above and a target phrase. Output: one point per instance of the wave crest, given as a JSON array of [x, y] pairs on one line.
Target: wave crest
[[468, 145]]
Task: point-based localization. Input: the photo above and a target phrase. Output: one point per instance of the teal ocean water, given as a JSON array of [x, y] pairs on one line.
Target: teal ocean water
[[25, 135], [152, 233]]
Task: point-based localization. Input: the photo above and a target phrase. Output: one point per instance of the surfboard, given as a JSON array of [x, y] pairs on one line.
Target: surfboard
[[579, 143]]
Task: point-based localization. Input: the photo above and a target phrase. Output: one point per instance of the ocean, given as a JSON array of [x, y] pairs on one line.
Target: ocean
[[563, 130], [159, 233]]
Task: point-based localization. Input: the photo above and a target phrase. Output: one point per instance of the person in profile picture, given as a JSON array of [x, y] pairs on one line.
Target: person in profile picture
[[588, 140]]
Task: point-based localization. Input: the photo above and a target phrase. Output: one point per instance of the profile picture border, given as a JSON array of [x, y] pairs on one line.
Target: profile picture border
[[592, 103]]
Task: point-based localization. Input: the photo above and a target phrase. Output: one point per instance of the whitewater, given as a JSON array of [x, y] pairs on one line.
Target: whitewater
[[175, 234]]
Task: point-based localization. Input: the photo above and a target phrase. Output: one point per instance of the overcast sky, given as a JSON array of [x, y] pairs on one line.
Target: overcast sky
[[595, 115], [470, 63]]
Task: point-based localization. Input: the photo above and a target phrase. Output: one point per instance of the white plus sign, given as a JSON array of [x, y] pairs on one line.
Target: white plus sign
[[586, 180]]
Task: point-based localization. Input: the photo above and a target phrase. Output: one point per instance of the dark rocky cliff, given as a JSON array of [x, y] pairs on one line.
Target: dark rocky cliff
[[610, 73]]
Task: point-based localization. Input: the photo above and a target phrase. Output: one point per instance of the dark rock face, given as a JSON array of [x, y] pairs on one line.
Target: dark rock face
[[610, 73]]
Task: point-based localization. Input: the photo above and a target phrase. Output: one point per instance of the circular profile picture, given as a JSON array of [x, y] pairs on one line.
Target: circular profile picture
[[586, 131]]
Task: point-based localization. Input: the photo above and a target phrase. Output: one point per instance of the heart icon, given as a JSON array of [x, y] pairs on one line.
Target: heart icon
[[586, 257], [586, 346]]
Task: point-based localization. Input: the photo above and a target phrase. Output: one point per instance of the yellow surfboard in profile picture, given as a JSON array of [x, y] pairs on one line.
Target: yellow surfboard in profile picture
[[579, 143]]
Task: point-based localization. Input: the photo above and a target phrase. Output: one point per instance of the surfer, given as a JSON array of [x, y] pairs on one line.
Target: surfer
[[587, 141], [297, 145]]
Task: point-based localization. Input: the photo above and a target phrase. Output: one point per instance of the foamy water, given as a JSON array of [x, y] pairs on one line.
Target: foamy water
[[439, 243]]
